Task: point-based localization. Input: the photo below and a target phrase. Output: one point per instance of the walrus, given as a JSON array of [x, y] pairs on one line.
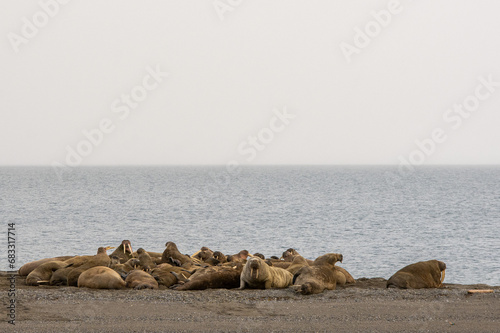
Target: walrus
[[124, 269], [203, 254], [145, 260], [260, 255], [212, 261], [151, 254], [32, 265], [100, 259], [123, 251], [173, 256], [220, 257], [213, 278], [60, 277], [43, 273], [318, 277], [139, 279], [297, 263], [240, 256], [290, 254], [343, 276], [163, 274], [100, 277], [278, 263], [115, 260], [423, 274], [257, 274]]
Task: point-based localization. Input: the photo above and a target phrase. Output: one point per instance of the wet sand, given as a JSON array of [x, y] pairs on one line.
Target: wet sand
[[366, 306]]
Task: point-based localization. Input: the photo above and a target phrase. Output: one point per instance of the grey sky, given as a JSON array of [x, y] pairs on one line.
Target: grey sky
[[225, 78]]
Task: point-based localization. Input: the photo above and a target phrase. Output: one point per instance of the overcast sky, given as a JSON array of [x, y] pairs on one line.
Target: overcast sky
[[252, 81]]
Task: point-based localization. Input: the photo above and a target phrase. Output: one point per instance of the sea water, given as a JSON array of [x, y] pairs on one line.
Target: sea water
[[379, 218]]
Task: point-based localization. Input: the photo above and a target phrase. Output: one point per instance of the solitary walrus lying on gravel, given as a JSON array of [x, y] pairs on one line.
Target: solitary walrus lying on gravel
[[43, 273], [423, 274], [259, 275], [101, 277], [318, 277], [138, 279], [213, 277]]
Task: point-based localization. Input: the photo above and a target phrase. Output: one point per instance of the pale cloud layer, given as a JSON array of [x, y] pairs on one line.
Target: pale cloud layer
[[362, 82]]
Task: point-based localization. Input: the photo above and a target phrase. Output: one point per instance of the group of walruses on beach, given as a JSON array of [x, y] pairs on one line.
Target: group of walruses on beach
[[207, 269]]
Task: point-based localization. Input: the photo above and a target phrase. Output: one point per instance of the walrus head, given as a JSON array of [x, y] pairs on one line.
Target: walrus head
[[260, 255], [254, 264], [244, 254], [442, 268], [220, 256], [171, 246], [115, 260], [127, 247], [104, 249], [133, 263], [328, 259], [204, 254]]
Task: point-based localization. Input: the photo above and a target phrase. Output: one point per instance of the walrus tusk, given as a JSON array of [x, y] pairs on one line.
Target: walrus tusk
[[109, 247], [43, 282], [442, 277], [256, 270], [480, 291], [195, 254]]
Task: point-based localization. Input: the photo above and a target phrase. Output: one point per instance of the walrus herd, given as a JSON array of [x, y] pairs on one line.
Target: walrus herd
[[208, 269]]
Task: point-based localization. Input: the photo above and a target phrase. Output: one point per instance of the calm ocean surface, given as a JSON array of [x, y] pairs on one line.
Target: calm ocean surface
[[380, 221]]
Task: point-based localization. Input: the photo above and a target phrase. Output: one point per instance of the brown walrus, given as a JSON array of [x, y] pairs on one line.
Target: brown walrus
[[260, 255], [60, 277], [124, 269], [163, 274], [43, 273], [173, 256], [423, 274], [240, 256], [145, 260], [257, 274], [343, 276], [213, 277], [30, 266], [290, 254], [318, 277], [278, 263], [297, 263], [139, 279], [100, 259], [101, 277], [203, 254], [123, 251], [220, 257]]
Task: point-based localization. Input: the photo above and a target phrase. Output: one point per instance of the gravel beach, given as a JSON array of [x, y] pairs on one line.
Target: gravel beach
[[366, 306]]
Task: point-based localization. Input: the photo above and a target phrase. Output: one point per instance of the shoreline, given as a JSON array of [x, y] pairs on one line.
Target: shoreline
[[364, 306]]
